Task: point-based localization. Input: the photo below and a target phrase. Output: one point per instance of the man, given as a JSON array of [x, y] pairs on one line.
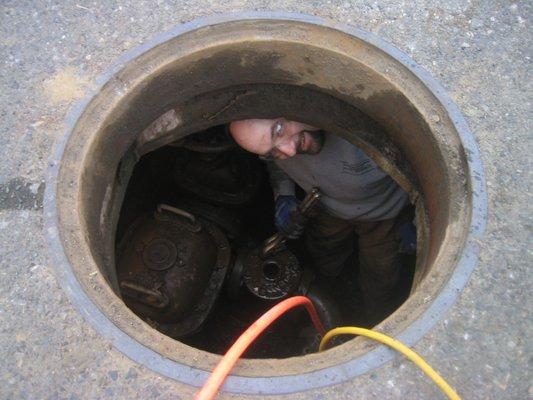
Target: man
[[357, 197]]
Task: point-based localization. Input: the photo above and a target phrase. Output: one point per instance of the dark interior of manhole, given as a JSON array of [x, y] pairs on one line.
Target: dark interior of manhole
[[193, 213]]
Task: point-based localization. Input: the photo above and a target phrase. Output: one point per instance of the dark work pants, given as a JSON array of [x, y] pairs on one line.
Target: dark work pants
[[330, 241]]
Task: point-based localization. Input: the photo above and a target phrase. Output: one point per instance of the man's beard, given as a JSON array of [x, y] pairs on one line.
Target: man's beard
[[311, 143]]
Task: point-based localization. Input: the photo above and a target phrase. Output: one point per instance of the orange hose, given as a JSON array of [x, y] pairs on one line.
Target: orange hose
[[224, 367]]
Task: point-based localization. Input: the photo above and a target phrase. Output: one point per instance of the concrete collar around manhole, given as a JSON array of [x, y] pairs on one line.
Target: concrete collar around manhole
[[234, 66]]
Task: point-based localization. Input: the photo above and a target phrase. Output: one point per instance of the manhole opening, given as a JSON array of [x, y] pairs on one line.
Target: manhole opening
[[208, 178], [201, 78]]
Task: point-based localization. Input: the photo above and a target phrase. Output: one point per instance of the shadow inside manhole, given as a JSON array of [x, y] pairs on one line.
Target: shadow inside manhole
[[194, 213]]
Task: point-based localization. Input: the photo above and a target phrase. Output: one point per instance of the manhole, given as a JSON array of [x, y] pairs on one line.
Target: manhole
[[215, 70]]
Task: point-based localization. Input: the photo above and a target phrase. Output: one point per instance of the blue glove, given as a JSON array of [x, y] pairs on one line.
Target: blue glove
[[285, 205], [407, 232]]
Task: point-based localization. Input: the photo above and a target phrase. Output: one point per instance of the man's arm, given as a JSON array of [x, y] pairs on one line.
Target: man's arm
[[286, 202], [282, 184]]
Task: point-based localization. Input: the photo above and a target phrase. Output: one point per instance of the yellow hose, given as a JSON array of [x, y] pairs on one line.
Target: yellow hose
[[396, 345]]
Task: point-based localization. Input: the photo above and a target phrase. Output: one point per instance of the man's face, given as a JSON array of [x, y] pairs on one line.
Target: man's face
[[277, 138]]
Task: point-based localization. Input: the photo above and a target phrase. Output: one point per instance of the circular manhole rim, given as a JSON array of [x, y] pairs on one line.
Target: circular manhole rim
[[289, 383]]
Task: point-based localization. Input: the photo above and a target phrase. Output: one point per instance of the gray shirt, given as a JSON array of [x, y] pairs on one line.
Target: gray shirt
[[352, 185]]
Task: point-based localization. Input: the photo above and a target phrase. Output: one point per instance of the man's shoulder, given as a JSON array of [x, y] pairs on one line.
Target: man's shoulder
[[334, 140], [341, 147]]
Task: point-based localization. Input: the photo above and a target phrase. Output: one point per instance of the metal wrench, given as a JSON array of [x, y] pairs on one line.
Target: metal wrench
[[278, 238]]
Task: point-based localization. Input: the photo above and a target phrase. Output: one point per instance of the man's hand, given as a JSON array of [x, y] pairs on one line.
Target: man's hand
[[289, 223], [407, 232]]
